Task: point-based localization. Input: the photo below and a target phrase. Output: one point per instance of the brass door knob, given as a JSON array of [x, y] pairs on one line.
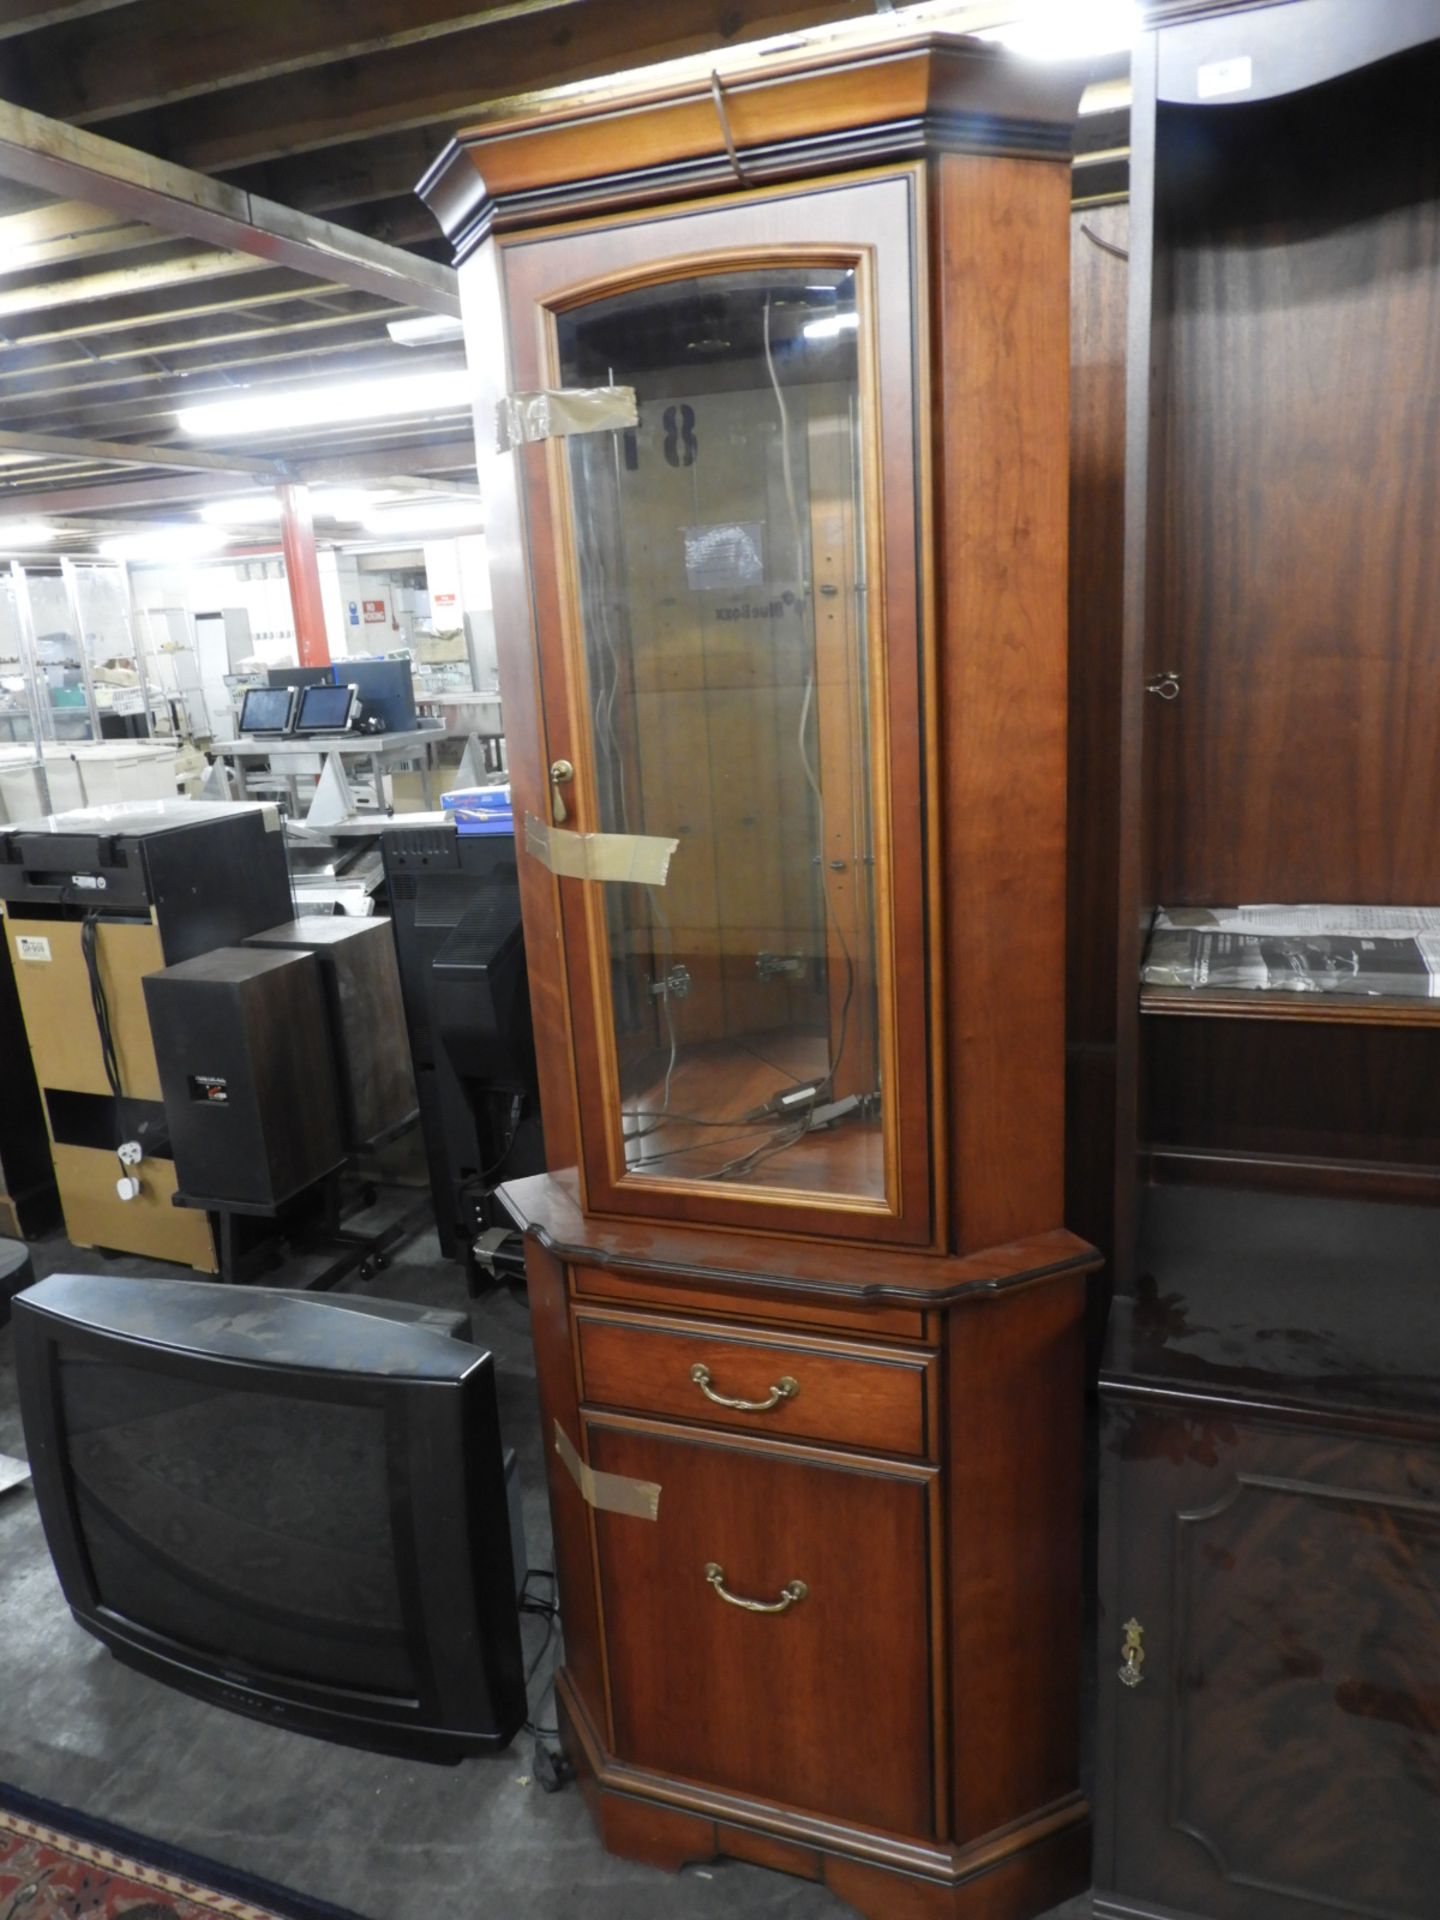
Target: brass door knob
[[561, 773]]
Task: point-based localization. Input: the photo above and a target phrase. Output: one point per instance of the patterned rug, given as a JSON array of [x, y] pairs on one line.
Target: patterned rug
[[59, 1865]]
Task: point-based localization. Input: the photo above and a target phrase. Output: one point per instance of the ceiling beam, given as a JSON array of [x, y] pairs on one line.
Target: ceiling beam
[[28, 16], [120, 236], [169, 50], [85, 380], [73, 164], [138, 312], [456, 78], [85, 368], [85, 289], [406, 467], [124, 454]]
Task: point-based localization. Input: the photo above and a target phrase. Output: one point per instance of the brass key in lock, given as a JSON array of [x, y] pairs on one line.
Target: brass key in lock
[[561, 771]]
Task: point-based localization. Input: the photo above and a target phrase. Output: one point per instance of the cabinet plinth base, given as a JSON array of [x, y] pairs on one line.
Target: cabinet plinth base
[[1019, 1875]]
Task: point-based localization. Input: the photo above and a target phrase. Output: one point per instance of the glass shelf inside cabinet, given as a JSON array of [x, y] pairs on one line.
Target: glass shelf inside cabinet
[[721, 572]]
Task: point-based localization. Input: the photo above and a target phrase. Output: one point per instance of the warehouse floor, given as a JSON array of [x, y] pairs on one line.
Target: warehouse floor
[[391, 1839]]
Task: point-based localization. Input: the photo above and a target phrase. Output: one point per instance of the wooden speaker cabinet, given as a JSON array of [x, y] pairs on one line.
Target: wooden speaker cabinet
[[1273, 1378], [776, 364]]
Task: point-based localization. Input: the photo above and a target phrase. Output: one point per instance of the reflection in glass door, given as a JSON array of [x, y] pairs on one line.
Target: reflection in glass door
[[722, 576]]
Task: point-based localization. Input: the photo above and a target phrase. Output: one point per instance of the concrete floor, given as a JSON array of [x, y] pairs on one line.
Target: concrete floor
[[391, 1839]]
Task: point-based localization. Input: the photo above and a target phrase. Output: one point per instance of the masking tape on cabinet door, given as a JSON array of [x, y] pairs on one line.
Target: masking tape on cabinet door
[[559, 410], [608, 1492], [643, 858]]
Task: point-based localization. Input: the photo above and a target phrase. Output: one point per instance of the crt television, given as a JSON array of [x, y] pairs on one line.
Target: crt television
[[291, 1505]]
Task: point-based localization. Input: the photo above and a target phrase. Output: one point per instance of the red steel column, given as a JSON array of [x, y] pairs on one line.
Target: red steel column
[[302, 570]]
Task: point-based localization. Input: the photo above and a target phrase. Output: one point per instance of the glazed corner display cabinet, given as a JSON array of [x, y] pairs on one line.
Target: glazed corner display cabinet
[[772, 372]]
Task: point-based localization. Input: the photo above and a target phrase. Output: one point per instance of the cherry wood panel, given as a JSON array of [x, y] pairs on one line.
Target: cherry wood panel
[[1014, 1875], [1329, 1092], [1026, 1879], [1335, 1009], [1099, 284], [1014, 1490], [875, 222], [847, 1394], [785, 116], [1300, 598], [885, 1323], [825, 1706], [488, 354], [1001, 422], [547, 1207]]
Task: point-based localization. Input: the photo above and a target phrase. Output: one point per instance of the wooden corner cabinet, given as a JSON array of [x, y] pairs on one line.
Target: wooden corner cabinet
[[1269, 1700], [771, 368]]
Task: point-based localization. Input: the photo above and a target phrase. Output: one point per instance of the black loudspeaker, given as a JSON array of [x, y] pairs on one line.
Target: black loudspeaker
[[367, 1019], [242, 1041]]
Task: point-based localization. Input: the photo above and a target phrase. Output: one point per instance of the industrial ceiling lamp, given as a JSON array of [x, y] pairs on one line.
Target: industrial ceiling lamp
[[268, 410], [1069, 29]]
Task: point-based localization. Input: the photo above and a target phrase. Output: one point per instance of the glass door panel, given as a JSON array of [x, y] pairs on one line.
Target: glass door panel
[[722, 576], [62, 667]]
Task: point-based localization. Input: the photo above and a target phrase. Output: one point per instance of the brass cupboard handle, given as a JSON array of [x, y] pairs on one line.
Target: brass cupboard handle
[[796, 1590], [1132, 1654], [785, 1388]]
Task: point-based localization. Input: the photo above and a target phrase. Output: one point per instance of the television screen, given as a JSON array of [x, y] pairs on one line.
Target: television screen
[[295, 1505], [324, 709], [255, 1527], [266, 710]]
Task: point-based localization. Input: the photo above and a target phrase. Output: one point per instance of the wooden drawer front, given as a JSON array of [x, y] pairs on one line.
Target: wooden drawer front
[[873, 1397], [825, 1706], [629, 1289]]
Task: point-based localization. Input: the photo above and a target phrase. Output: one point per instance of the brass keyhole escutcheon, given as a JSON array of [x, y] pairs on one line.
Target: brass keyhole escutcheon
[[561, 773], [1132, 1654]]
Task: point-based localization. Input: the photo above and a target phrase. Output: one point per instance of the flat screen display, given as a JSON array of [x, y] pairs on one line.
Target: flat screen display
[[324, 709], [253, 1526], [265, 710]]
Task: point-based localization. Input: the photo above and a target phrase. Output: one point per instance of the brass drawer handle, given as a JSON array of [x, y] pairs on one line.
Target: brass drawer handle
[[1132, 1653], [796, 1590], [784, 1389]]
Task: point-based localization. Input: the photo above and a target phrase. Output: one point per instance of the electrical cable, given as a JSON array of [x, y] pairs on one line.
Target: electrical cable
[[100, 1005], [549, 1611]]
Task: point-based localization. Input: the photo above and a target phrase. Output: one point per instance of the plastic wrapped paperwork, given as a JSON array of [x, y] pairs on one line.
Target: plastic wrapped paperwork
[[1369, 952]]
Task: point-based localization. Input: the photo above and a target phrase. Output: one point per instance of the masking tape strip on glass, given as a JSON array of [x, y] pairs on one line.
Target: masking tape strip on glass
[[558, 410], [642, 858], [608, 1492]]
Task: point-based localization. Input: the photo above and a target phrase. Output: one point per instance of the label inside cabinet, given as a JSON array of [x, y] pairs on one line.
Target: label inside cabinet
[[1224, 76], [30, 946]]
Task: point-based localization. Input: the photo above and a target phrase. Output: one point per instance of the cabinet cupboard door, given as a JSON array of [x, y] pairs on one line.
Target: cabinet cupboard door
[[1279, 1758], [728, 604], [824, 1701]]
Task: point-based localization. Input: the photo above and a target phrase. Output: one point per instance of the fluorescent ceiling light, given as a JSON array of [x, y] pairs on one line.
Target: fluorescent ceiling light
[[263, 509], [435, 516], [25, 533], [183, 540], [831, 326], [424, 329], [263, 409], [1069, 29]]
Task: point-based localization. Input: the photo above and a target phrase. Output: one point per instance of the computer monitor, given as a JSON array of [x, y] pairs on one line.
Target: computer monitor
[[267, 710], [325, 709]]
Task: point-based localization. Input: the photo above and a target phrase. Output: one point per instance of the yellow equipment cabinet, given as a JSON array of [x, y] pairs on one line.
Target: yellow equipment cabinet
[[93, 901]]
